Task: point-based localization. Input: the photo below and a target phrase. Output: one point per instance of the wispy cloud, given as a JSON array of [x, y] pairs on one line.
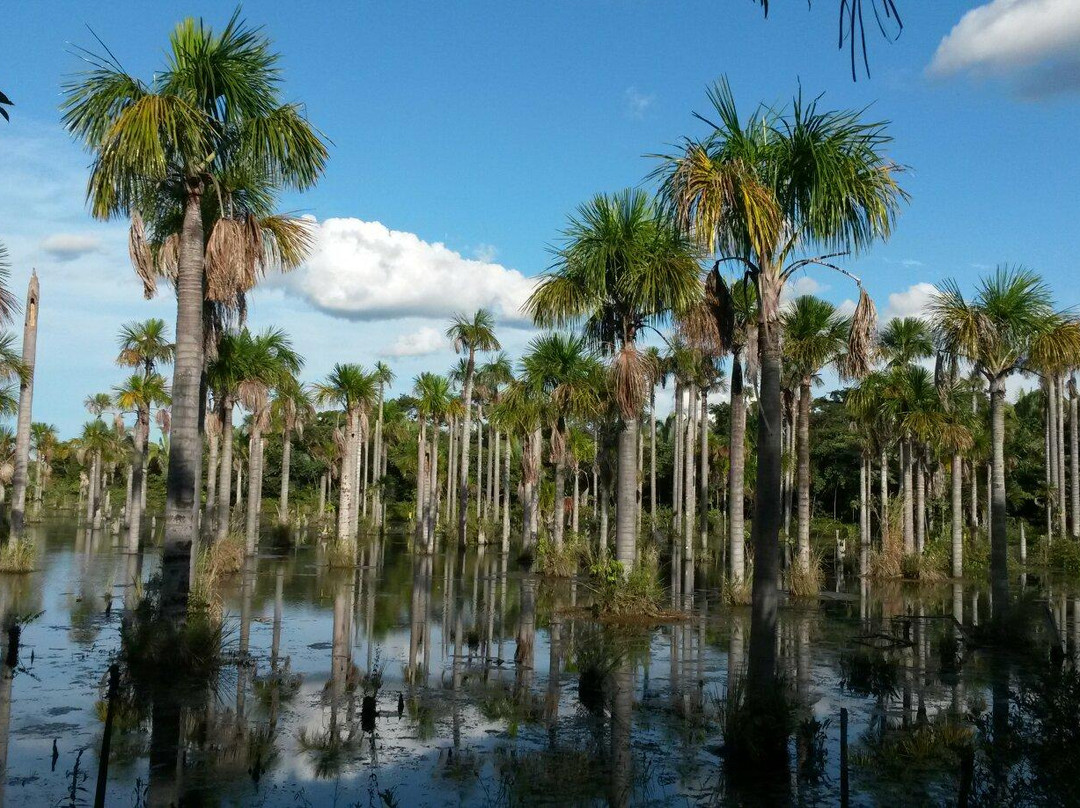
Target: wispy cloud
[[485, 252], [69, 246], [637, 102], [1033, 44], [423, 342]]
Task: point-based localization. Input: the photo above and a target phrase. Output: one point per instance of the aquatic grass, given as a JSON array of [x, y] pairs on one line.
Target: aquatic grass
[[340, 555], [739, 593], [621, 596], [224, 557], [561, 562], [805, 583], [17, 556]]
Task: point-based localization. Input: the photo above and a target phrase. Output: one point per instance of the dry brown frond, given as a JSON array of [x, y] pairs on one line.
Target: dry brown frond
[[630, 380], [860, 353], [233, 253], [168, 258], [141, 257]]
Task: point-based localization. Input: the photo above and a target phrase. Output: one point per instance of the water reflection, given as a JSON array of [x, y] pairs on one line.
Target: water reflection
[[456, 677]]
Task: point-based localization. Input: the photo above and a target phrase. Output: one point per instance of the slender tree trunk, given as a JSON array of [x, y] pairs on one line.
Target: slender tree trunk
[[652, 459], [39, 483], [421, 483], [999, 558], [534, 492], [762, 671], [736, 473], [677, 465], [884, 494], [974, 475], [506, 498], [493, 442], [804, 474], [625, 516], [957, 516], [1050, 388], [185, 447], [433, 510], [603, 497], [324, 483], [1062, 484], [560, 496], [909, 497], [348, 478], [639, 499], [251, 522], [689, 454], [920, 503], [286, 473], [577, 499], [466, 431], [479, 470], [25, 416], [210, 507], [142, 431], [494, 473], [1074, 459], [864, 507], [703, 495], [225, 480]]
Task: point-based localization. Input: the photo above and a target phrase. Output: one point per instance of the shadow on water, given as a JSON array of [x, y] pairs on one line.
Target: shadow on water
[[461, 678]]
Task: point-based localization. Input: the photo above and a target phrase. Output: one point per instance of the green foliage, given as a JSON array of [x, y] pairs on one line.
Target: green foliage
[[561, 562], [17, 556], [1064, 555], [637, 594]]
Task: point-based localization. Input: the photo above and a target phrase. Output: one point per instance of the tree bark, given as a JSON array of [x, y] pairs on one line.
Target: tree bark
[[1074, 459], [625, 487], [804, 474], [689, 487], [185, 449], [286, 472], [909, 497], [677, 465], [560, 496], [421, 485], [652, 458], [999, 558], [142, 431], [506, 498], [466, 430], [251, 521], [1062, 482], [225, 477], [26, 405], [736, 473], [957, 516], [214, 456], [348, 476], [920, 503], [766, 527], [703, 478]]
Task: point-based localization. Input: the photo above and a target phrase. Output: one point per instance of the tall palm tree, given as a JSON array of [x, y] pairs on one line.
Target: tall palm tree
[[766, 193], [25, 372], [95, 443], [1008, 325], [215, 107], [656, 368], [291, 408], [352, 389], [469, 336], [815, 335], [562, 371], [905, 340], [498, 373], [520, 413], [271, 364], [139, 394], [384, 376], [622, 268], [433, 402], [145, 345]]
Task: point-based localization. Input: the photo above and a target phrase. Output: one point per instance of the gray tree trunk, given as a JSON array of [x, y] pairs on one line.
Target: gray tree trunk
[[1074, 459], [26, 405], [251, 523], [185, 447], [466, 431], [625, 512], [286, 473], [225, 477], [560, 496], [804, 474], [999, 545], [134, 516], [957, 516], [506, 498], [737, 471], [348, 476], [703, 496], [689, 439], [909, 497]]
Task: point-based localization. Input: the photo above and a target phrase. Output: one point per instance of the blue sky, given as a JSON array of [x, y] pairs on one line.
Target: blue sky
[[468, 131]]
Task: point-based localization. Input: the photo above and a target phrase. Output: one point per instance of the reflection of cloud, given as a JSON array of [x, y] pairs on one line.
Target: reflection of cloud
[[365, 271], [68, 246], [1036, 43], [637, 103], [426, 341]]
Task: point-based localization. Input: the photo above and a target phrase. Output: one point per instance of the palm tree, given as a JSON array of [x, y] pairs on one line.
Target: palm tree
[[433, 402], [469, 336], [562, 371], [621, 268], [215, 107], [498, 373], [657, 370], [1008, 326], [23, 368], [139, 394], [270, 364], [353, 390], [383, 376], [815, 335], [905, 340], [145, 345], [95, 442], [45, 442], [765, 193], [291, 408], [520, 413]]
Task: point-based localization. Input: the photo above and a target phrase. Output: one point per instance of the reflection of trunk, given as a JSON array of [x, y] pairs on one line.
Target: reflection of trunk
[[341, 655], [804, 474], [551, 704], [957, 516], [7, 676], [225, 476], [526, 635], [999, 561], [622, 706], [737, 470], [766, 528], [165, 749], [625, 515]]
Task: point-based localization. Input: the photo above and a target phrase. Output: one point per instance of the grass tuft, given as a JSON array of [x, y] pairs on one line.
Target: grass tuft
[[805, 583], [561, 562], [17, 556], [341, 555]]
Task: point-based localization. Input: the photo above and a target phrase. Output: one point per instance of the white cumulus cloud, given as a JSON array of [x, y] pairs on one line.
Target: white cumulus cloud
[[426, 340], [912, 302], [1035, 42], [365, 271]]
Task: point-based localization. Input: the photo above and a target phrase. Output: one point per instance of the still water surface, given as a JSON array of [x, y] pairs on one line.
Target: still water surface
[[491, 686]]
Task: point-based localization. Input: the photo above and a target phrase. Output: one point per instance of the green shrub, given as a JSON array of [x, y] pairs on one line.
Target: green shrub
[[17, 556], [635, 594], [1064, 555], [561, 562]]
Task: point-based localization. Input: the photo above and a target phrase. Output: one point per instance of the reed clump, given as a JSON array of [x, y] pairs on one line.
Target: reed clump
[[17, 556]]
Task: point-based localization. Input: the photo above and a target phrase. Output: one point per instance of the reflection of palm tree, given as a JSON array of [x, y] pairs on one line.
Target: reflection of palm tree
[[622, 717]]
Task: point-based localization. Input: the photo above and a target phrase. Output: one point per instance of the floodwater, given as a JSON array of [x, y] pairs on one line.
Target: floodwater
[[459, 679]]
